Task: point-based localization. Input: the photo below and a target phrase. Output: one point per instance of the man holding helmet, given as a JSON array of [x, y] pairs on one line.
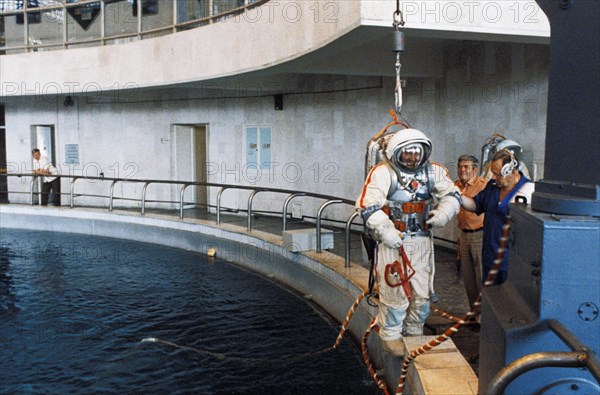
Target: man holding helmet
[[507, 186], [396, 205]]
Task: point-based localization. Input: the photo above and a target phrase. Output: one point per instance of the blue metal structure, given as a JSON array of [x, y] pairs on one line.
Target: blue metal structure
[[550, 304]]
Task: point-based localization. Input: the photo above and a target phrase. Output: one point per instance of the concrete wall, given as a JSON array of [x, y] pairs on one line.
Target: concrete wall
[[318, 139]]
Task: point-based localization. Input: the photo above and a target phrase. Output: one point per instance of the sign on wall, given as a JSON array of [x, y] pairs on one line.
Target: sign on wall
[[71, 154]]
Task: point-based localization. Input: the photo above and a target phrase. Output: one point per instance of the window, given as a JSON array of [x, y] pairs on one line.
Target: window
[[32, 17], [258, 147], [149, 7]]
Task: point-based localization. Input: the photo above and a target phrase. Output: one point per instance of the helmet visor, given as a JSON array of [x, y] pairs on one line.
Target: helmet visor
[[410, 156]]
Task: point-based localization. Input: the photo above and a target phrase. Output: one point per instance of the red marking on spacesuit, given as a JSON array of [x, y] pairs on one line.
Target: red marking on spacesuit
[[364, 191], [400, 272], [443, 167]]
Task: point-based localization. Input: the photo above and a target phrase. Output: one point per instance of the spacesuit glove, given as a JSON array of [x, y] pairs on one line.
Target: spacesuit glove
[[390, 237], [437, 219], [384, 230], [447, 208]]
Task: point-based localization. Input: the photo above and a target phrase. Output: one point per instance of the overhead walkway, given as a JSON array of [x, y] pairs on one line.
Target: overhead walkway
[[240, 42]]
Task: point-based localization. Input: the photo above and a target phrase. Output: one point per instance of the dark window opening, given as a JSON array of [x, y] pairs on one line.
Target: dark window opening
[[149, 7], [32, 17]]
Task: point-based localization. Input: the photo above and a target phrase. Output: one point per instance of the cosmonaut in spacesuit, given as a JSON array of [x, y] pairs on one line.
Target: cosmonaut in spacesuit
[[398, 207]]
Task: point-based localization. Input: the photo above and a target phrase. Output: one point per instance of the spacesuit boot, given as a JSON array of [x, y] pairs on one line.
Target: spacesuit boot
[[412, 330], [394, 347]]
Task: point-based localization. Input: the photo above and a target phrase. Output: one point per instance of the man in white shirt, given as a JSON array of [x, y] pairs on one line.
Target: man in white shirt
[[43, 167]]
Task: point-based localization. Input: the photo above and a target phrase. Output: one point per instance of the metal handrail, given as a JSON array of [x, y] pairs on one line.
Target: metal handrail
[[144, 196], [72, 192], [250, 199], [31, 191], [181, 199], [347, 240], [112, 195], [184, 184], [219, 194], [285, 207], [581, 356], [319, 213], [536, 360]]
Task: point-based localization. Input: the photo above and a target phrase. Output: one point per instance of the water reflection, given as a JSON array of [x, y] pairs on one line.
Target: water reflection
[[8, 300], [86, 303]]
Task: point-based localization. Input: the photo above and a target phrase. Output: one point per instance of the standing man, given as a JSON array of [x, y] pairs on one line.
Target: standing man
[[42, 166], [396, 206], [506, 185], [470, 225]]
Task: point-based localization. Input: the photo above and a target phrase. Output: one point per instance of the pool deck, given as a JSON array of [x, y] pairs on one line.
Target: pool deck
[[444, 370]]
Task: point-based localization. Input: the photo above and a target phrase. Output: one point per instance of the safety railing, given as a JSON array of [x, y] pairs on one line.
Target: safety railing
[[39, 21], [146, 183], [581, 356]]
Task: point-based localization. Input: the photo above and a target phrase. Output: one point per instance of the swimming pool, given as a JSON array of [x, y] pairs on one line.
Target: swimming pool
[[74, 311]]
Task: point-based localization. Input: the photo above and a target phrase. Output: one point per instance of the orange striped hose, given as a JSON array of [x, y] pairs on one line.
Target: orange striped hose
[[472, 313], [365, 353], [446, 315], [348, 316]]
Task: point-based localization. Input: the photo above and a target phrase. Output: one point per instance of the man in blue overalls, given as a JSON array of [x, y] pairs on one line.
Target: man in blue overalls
[[506, 185]]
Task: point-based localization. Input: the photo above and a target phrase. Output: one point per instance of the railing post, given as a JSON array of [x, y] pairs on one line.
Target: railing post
[[250, 199], [219, 204], [181, 199], [112, 195], [285, 207], [31, 189], [144, 196], [347, 247], [327, 203], [72, 191]]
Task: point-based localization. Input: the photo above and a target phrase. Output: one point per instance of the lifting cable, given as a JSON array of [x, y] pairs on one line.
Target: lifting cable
[[398, 48]]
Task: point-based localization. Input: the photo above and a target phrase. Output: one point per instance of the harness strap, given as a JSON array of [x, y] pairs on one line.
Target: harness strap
[[407, 266]]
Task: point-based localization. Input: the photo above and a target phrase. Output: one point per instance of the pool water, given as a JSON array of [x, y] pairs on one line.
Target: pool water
[[77, 313]]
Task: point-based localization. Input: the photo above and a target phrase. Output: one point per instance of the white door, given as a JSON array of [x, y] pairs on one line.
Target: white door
[[42, 138], [189, 143]]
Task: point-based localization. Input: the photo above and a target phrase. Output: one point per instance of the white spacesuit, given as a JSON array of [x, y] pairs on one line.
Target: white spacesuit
[[397, 206]]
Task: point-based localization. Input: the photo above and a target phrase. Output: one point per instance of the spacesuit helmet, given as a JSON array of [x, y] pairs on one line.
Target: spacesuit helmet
[[408, 149], [512, 146]]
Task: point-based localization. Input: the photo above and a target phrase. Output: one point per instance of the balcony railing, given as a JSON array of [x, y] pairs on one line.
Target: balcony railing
[[42, 25]]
